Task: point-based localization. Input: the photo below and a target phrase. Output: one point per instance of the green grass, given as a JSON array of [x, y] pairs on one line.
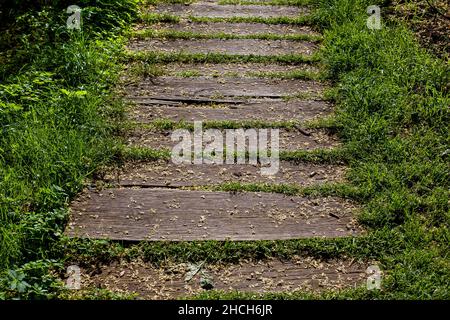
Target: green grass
[[324, 190], [57, 115], [88, 252], [330, 156], [299, 3], [139, 69], [392, 111], [322, 156], [156, 2], [172, 34], [165, 124], [152, 18], [142, 154], [294, 74], [188, 74], [301, 20], [157, 57], [240, 2]]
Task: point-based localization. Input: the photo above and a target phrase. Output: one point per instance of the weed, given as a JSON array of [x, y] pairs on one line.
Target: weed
[[172, 34], [156, 57]]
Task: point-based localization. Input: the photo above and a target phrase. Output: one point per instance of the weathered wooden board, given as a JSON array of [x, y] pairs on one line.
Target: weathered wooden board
[[229, 46], [237, 29], [292, 110], [214, 88], [214, 10], [169, 280], [290, 140], [182, 215], [165, 173], [230, 70]]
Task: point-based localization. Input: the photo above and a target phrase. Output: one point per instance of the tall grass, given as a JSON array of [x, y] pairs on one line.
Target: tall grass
[[392, 101], [56, 114]]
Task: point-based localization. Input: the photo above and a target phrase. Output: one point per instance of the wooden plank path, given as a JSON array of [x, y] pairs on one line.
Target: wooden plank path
[[289, 140], [213, 10], [168, 281], [236, 29], [165, 174], [225, 70], [147, 110], [157, 200], [219, 46], [184, 215], [233, 87]]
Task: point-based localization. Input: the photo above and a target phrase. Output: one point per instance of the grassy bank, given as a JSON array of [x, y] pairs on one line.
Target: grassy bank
[[392, 103], [56, 115]]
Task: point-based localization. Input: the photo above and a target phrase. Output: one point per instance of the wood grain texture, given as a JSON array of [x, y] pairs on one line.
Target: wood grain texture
[[162, 173], [270, 111], [290, 140], [168, 281], [182, 215], [229, 46], [214, 10]]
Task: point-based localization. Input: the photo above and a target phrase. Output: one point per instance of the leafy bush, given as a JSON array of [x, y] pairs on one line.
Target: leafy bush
[[34, 280]]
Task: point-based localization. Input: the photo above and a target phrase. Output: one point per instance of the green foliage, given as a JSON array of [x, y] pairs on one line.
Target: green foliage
[[56, 110], [34, 280], [392, 98], [152, 18], [171, 34], [155, 57], [300, 20]]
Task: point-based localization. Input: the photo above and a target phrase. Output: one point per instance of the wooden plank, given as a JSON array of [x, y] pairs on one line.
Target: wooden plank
[[290, 140], [292, 110], [230, 70], [214, 10], [168, 281], [218, 89], [165, 173], [237, 29], [180, 100], [229, 46], [181, 215]]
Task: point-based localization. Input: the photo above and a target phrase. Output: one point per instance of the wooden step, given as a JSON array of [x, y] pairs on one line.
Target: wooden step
[[173, 88], [237, 29], [221, 70], [167, 174], [147, 111], [254, 47], [183, 215], [174, 280], [213, 10], [290, 140]]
